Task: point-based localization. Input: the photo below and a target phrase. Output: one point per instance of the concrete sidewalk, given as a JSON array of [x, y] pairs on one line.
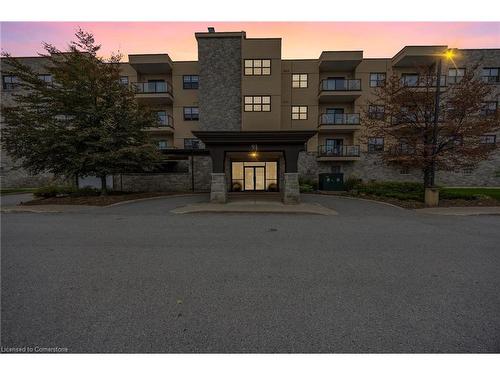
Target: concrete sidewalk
[[255, 206], [460, 211]]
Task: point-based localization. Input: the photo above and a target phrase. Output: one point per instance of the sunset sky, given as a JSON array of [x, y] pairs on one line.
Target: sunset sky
[[300, 39]]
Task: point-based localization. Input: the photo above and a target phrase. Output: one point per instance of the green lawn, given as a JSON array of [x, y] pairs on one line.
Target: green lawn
[[470, 192], [16, 190]]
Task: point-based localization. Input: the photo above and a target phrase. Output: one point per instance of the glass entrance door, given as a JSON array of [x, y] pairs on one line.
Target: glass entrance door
[[254, 178]]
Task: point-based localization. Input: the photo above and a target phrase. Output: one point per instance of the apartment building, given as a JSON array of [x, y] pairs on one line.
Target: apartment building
[[241, 118]]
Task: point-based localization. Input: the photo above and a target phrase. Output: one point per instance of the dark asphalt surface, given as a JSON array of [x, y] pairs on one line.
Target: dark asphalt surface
[[135, 278]]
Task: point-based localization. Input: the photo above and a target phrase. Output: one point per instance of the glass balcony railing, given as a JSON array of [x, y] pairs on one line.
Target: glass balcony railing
[[154, 87], [340, 85], [165, 121], [339, 119], [422, 81], [338, 151]]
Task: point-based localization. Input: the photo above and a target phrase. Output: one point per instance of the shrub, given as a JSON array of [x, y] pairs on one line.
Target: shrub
[[352, 183], [454, 194], [58, 191], [307, 186], [390, 189]]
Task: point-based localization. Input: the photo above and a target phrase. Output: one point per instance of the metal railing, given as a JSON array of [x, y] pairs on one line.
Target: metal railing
[[155, 87], [423, 81], [165, 121], [340, 85], [338, 151], [339, 119]]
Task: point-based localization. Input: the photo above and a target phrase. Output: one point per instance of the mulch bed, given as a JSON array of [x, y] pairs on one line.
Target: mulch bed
[[99, 200]]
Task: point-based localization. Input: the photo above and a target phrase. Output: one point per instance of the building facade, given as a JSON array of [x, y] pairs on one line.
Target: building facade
[[241, 118]]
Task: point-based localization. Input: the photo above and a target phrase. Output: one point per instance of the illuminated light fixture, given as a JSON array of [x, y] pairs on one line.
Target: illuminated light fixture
[[449, 54], [254, 152]]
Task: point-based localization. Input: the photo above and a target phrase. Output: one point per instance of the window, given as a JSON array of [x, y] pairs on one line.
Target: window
[[376, 111], [190, 82], [9, 82], [488, 139], [299, 112], [490, 75], [193, 144], [162, 144], [258, 67], [124, 80], [489, 108], [377, 79], [455, 75], [162, 118], [299, 81], [191, 114], [467, 171], [404, 171], [409, 79], [47, 78], [375, 144], [257, 103], [457, 140]]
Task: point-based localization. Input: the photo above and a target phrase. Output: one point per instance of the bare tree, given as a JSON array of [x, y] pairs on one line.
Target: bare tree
[[403, 113]]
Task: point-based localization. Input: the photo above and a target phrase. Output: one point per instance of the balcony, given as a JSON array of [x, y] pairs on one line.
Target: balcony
[[154, 92], [165, 125], [339, 90], [415, 56], [338, 153], [151, 63], [340, 61], [422, 81], [339, 121]]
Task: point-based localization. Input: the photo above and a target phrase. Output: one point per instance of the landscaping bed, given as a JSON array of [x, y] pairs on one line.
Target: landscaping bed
[[94, 200]]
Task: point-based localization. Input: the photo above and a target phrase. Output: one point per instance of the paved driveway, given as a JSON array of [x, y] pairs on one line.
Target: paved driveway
[[136, 278]]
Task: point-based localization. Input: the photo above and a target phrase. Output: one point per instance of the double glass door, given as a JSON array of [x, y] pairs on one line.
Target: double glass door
[[255, 178]]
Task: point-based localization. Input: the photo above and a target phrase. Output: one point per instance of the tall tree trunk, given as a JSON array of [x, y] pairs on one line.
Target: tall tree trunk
[[104, 187], [428, 176]]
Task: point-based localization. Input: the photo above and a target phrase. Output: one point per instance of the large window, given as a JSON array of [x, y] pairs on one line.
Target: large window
[[490, 75], [375, 144], [191, 114], [377, 79], [410, 79], [162, 144], [257, 67], [455, 75], [489, 108], [162, 118], [47, 78], [190, 82], [299, 112], [9, 82], [299, 81], [257, 103], [376, 111]]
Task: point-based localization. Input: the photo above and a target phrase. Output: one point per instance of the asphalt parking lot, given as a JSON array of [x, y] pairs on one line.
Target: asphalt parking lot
[[137, 278]]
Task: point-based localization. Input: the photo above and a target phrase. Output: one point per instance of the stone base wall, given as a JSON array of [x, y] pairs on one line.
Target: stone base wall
[[371, 167], [13, 176], [290, 192], [218, 188]]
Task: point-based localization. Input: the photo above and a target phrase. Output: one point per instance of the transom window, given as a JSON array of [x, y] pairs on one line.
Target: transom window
[[257, 103], [490, 75], [299, 112], [455, 75], [190, 82], [124, 80], [488, 139], [257, 67], [162, 144], [9, 82], [299, 81], [191, 114], [376, 111], [377, 79], [375, 144]]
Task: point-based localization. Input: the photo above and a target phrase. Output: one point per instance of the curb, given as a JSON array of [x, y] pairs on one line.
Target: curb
[[150, 198], [360, 199]]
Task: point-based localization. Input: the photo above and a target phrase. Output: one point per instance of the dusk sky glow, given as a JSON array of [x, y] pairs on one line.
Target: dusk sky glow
[[299, 39]]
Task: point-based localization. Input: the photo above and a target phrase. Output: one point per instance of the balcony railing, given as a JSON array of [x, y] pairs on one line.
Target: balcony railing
[[156, 87], [338, 151], [339, 119], [422, 81], [340, 85], [165, 121]]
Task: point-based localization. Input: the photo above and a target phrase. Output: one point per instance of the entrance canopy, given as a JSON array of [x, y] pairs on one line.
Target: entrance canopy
[[289, 143]]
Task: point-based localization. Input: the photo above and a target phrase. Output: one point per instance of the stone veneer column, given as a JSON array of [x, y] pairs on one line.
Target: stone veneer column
[[218, 188], [290, 192]]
